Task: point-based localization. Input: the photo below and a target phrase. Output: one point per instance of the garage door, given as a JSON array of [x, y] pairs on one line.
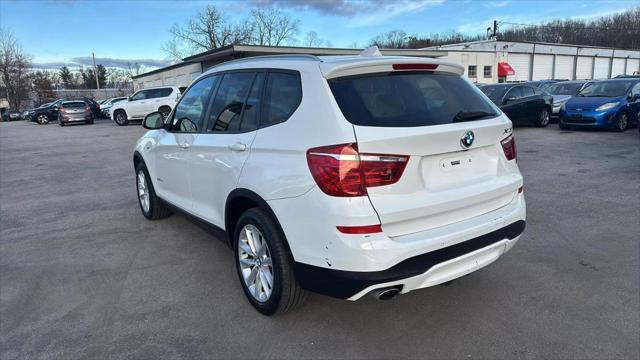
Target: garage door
[[618, 67], [542, 67], [601, 68], [633, 65], [564, 67], [520, 64], [584, 66]]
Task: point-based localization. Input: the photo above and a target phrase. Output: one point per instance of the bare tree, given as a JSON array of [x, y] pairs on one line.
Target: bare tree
[[394, 39], [620, 30], [14, 65], [209, 29], [313, 40], [272, 27]]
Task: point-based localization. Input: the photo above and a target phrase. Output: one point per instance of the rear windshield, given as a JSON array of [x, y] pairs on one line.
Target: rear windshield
[[74, 104], [403, 99]]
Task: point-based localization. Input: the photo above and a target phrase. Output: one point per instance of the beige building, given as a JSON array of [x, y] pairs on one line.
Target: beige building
[[491, 61]]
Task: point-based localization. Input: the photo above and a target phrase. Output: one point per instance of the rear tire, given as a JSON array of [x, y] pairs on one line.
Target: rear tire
[[120, 117], [622, 122], [284, 293], [544, 117], [152, 207]]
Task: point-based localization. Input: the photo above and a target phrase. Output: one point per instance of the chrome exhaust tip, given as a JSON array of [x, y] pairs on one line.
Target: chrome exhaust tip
[[387, 293]]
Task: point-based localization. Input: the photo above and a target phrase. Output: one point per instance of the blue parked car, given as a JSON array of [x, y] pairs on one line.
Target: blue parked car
[[610, 104]]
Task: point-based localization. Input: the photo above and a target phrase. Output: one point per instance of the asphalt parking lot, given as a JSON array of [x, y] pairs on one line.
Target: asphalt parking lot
[[84, 275]]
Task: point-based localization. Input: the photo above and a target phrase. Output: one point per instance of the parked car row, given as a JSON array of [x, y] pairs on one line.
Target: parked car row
[[604, 104], [50, 112]]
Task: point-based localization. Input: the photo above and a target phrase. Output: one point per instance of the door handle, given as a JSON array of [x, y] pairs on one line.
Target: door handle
[[184, 146], [237, 147]]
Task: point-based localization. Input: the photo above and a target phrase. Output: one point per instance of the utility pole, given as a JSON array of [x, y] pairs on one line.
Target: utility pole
[[95, 70]]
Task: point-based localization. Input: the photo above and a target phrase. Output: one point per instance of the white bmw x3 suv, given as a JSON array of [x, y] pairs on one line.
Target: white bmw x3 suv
[[342, 175]]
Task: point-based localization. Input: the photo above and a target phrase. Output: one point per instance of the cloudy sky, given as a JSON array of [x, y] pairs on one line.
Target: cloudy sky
[[58, 32]]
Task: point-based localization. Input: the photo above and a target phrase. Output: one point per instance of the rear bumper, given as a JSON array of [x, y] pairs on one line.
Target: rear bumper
[[73, 119], [416, 272]]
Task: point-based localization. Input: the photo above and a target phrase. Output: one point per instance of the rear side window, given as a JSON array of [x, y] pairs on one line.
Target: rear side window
[[229, 101], [282, 97], [405, 99], [158, 93]]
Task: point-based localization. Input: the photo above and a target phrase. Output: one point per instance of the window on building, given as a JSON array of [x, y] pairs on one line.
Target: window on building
[[487, 71], [473, 71]]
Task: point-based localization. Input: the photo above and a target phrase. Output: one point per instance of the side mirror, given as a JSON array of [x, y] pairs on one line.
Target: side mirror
[[634, 98], [153, 121], [129, 98], [510, 99]]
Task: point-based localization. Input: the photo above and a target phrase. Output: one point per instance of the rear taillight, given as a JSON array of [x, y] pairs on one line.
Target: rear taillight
[[340, 170], [509, 147]]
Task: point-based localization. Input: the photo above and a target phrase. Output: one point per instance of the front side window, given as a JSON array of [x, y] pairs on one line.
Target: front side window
[[188, 115], [514, 94], [408, 99], [282, 97], [636, 90], [487, 71], [563, 88], [472, 71], [527, 91], [229, 102], [140, 95]]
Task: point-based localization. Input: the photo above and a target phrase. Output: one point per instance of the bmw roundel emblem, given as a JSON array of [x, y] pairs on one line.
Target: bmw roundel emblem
[[467, 139]]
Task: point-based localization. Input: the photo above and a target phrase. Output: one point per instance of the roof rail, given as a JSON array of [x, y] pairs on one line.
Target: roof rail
[[267, 57]]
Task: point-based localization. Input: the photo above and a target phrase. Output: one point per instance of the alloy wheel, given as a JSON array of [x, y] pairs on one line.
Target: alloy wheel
[[256, 264], [622, 122], [143, 191], [544, 118], [43, 119], [120, 118]]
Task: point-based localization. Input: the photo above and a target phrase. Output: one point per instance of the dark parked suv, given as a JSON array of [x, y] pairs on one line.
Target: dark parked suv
[[523, 104]]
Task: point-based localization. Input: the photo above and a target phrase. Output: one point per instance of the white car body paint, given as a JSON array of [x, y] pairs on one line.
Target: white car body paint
[[434, 205]]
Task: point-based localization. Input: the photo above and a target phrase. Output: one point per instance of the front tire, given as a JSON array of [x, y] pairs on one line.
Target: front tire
[[152, 207], [622, 123], [263, 265], [120, 117], [42, 119], [544, 118]]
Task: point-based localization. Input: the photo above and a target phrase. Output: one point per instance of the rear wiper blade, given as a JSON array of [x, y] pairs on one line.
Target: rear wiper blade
[[472, 115]]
